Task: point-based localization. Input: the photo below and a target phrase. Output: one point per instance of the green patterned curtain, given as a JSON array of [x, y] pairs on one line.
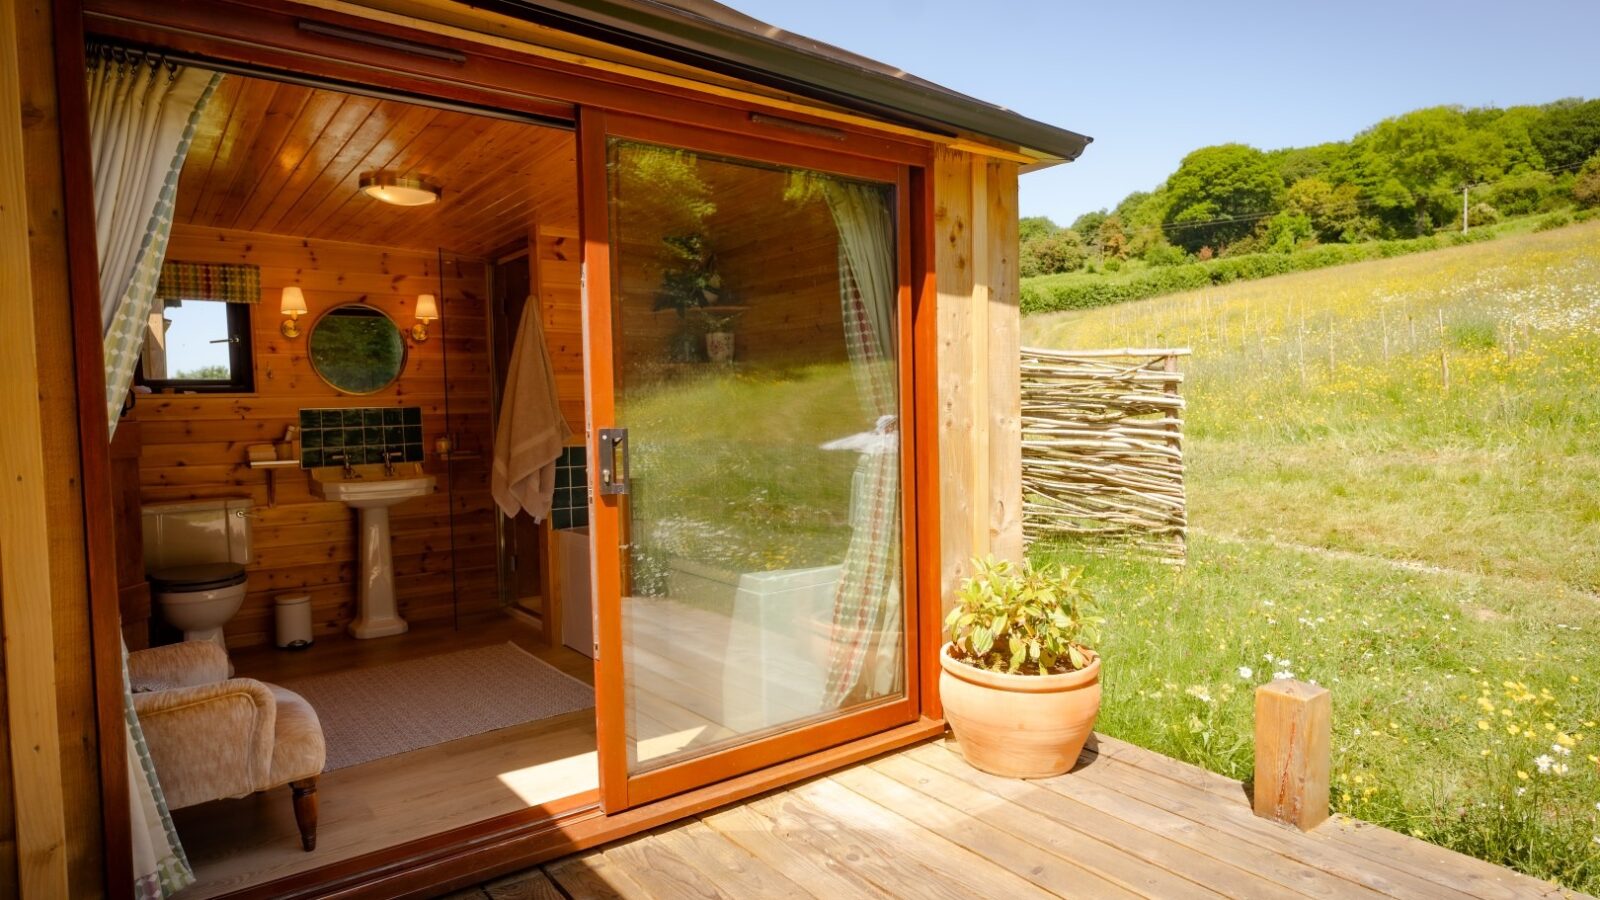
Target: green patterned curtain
[[867, 609], [228, 282], [143, 111]]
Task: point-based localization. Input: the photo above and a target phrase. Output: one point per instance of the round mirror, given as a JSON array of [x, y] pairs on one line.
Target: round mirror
[[357, 349]]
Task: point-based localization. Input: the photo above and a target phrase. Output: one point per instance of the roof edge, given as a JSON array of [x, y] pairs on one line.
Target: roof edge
[[800, 66]]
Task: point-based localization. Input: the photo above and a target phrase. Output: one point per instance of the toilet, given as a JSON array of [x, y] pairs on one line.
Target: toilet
[[194, 555]]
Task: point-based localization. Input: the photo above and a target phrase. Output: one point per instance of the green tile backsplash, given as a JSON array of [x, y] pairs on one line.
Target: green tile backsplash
[[569, 507], [364, 434]]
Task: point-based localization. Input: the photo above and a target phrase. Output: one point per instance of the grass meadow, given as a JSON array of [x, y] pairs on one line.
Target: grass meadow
[[1394, 487]]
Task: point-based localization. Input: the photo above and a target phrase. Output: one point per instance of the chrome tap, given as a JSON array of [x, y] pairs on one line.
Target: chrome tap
[[344, 460], [389, 458]]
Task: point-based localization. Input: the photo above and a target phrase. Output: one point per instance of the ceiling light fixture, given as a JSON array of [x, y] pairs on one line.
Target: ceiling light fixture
[[399, 190]]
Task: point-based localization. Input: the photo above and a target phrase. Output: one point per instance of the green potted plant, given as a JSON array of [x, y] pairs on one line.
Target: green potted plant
[[1020, 682], [689, 281]]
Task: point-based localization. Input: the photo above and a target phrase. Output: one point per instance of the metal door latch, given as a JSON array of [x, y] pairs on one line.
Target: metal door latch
[[613, 460]]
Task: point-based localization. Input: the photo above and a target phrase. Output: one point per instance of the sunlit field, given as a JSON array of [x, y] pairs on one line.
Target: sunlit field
[[1395, 491]]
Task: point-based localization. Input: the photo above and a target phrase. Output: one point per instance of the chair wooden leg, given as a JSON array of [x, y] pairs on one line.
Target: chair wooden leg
[[305, 810]]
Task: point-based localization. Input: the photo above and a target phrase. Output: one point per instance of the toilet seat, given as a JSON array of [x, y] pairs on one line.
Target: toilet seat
[[197, 578]]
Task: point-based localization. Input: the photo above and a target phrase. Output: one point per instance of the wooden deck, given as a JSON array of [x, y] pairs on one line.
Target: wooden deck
[[921, 823]]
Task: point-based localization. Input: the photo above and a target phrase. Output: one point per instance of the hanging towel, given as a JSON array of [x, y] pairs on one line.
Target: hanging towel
[[532, 431]]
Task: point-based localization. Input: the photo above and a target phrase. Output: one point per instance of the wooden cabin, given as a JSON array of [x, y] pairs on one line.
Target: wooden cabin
[[287, 283]]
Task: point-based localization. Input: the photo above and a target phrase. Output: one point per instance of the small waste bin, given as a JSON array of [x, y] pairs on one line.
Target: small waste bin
[[293, 616]]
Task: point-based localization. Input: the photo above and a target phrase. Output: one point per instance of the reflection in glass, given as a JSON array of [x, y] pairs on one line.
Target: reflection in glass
[[755, 315], [357, 349]]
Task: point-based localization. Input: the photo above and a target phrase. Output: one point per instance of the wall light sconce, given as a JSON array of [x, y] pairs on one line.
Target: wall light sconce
[[427, 311], [293, 305]]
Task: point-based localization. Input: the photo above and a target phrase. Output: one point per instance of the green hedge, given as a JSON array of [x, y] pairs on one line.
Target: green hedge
[[1051, 293]]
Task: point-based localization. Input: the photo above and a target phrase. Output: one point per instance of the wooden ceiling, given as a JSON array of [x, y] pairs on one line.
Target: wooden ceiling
[[287, 159]]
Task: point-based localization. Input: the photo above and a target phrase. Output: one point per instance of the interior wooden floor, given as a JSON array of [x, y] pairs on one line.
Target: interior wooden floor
[[233, 843], [698, 680], [922, 823]]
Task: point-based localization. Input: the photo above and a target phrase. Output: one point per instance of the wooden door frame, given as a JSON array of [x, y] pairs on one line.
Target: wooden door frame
[[619, 789], [265, 37]]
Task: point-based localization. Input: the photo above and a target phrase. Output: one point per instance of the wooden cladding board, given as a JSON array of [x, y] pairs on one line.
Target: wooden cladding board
[[557, 272], [194, 444], [287, 159], [979, 318]]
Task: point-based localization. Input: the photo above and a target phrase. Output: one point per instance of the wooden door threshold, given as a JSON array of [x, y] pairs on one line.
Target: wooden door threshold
[[475, 853]]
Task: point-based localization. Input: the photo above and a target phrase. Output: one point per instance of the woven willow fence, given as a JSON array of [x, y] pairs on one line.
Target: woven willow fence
[[1102, 449]]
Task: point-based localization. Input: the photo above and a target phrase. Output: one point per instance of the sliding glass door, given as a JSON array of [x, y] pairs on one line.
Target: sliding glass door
[[748, 456]]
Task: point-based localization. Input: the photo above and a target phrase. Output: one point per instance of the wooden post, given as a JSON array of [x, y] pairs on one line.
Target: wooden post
[[36, 792], [1444, 355], [1293, 721]]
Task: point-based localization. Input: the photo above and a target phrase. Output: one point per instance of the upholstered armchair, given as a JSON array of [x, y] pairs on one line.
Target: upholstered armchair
[[213, 737]]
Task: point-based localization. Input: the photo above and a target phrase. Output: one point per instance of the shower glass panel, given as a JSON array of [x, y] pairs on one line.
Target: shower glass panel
[[468, 568], [755, 347]]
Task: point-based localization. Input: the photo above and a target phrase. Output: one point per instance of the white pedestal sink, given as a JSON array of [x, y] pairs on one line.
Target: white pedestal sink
[[376, 611]]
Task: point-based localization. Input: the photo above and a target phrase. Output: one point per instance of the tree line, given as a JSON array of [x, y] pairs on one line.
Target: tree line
[[1402, 178]]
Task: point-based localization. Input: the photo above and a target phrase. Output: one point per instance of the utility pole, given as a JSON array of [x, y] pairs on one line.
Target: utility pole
[[1464, 189]]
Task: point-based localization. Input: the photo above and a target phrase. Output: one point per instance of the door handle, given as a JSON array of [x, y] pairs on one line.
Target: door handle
[[613, 460]]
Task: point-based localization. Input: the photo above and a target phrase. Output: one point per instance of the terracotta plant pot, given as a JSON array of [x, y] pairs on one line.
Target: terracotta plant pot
[[1020, 726], [719, 346]]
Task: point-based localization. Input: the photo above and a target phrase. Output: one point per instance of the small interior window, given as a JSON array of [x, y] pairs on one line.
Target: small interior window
[[198, 345]]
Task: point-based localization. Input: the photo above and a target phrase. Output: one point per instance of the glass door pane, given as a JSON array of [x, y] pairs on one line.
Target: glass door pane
[[754, 338]]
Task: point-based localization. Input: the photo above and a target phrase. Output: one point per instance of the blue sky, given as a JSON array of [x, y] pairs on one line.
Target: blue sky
[[1152, 81]]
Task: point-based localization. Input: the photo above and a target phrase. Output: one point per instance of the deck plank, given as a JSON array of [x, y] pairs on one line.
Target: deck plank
[[893, 852], [533, 884], [1137, 855], [1194, 804], [1125, 823], [662, 873], [1283, 873], [728, 865], [591, 876], [772, 841], [1455, 871], [1053, 869]]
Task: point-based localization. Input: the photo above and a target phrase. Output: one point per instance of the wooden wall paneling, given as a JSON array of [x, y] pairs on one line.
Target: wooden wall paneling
[[286, 159], [925, 361], [38, 794], [314, 128], [1004, 360], [376, 146], [133, 589], [204, 148], [464, 298], [558, 267], [975, 221], [959, 425], [194, 444], [258, 121], [320, 153], [978, 366], [82, 558]]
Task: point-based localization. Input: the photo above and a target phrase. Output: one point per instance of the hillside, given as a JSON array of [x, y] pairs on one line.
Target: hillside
[[1404, 178], [1392, 490]]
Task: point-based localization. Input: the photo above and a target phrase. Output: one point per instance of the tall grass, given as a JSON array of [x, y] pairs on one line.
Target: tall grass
[[1396, 488]]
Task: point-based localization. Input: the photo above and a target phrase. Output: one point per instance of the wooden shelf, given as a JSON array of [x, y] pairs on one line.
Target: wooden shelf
[[274, 463]]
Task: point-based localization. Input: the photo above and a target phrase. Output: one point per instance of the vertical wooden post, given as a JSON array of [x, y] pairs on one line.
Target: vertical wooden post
[[1444, 355], [1293, 721], [33, 731]]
